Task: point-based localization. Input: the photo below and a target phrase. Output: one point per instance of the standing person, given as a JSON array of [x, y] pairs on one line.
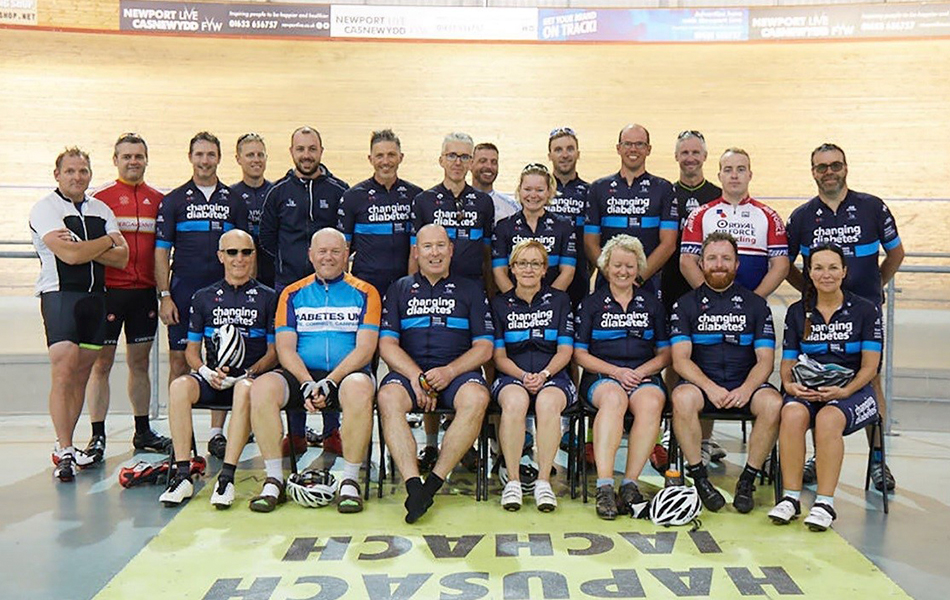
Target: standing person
[[374, 215], [570, 201], [534, 340], [759, 230], [724, 349], [861, 224], [306, 200], [622, 345], [535, 189], [832, 327], [484, 173], [191, 219], [130, 298], [634, 202], [251, 156], [436, 333], [76, 238]]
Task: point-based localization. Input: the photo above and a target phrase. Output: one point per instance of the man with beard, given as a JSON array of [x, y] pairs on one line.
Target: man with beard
[[724, 349], [304, 201], [251, 156], [484, 173], [861, 224], [570, 201]]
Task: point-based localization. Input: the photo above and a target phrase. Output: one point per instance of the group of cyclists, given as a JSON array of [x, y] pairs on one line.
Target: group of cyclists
[[627, 293]]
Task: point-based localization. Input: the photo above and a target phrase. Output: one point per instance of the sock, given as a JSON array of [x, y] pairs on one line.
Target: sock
[[141, 425], [350, 471], [183, 467], [99, 428], [793, 494], [274, 468], [217, 431], [626, 481], [877, 455], [227, 472], [826, 500], [414, 485], [69, 450], [602, 481], [432, 439], [417, 502], [697, 471], [432, 484], [749, 473]]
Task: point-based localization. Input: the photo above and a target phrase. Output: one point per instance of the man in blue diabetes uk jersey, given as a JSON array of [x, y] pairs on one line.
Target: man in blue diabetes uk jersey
[[634, 202], [724, 349], [236, 300], [436, 333]]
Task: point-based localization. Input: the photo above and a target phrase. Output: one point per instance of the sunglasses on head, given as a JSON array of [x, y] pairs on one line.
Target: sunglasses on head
[[234, 251], [690, 133], [559, 131], [534, 167]]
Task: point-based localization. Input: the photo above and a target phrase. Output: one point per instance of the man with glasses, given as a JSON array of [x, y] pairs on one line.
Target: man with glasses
[[191, 219], [634, 202], [249, 306], [570, 201], [759, 230], [861, 224], [130, 298], [484, 173], [251, 156]]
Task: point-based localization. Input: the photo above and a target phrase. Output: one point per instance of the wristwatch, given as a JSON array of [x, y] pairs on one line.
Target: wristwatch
[[164, 294], [546, 373]]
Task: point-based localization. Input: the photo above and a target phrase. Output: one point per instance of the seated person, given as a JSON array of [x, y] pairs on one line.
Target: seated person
[[622, 345], [723, 348], [248, 305], [534, 340], [831, 326], [436, 333], [327, 328]]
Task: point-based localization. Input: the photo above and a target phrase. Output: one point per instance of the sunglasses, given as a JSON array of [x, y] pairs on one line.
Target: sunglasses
[[534, 167], [243, 251], [690, 133], [823, 168], [559, 131]]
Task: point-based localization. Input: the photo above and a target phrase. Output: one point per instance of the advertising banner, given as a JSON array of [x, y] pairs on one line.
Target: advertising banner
[[434, 22], [643, 25], [861, 21], [18, 12], [233, 19]]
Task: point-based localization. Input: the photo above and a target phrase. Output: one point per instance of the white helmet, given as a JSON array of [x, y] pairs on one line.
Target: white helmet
[[675, 505], [313, 488], [229, 345], [528, 475]]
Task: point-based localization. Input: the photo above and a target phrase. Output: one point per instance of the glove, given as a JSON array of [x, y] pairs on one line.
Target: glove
[[229, 382], [326, 386], [308, 389], [208, 374]]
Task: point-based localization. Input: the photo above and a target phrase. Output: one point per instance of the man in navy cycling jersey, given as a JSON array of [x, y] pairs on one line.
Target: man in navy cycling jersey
[[436, 333], [374, 215], [191, 219], [251, 156], [634, 202], [570, 201], [861, 225], [467, 215], [248, 305], [724, 349]]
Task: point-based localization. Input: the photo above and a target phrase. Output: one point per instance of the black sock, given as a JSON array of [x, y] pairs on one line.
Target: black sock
[[418, 501], [697, 471], [141, 424], [749, 473], [433, 484], [99, 428], [183, 467], [227, 472]]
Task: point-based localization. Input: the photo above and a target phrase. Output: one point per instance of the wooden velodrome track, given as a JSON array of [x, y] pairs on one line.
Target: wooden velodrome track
[[884, 102]]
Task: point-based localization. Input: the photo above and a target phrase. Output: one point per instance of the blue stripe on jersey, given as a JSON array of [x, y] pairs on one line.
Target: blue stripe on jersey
[[456, 323], [513, 337], [804, 250], [649, 222], [669, 225], [789, 354], [607, 334], [256, 333], [480, 338], [579, 221], [499, 262], [499, 343], [388, 333], [892, 244], [475, 234], [852, 347], [581, 346], [648, 334], [814, 348], [745, 339], [614, 222], [553, 260], [348, 237], [870, 249], [707, 339], [871, 346], [282, 329], [203, 225], [373, 228], [414, 322], [209, 331], [368, 326], [194, 337], [662, 344], [271, 338], [550, 335], [565, 340], [163, 244], [679, 339], [764, 343], [591, 229]]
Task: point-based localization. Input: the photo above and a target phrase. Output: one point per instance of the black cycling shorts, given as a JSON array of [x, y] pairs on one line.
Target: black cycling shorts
[[77, 317], [137, 310]]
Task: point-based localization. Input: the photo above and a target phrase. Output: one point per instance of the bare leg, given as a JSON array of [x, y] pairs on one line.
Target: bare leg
[[829, 451], [611, 402], [646, 404], [548, 408], [514, 403], [794, 425]]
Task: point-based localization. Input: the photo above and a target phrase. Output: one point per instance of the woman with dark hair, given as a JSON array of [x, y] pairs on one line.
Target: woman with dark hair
[[831, 352]]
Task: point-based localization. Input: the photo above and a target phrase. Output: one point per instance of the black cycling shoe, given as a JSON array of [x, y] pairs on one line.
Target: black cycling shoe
[[627, 497], [712, 499], [743, 499], [427, 458], [606, 503], [217, 445], [96, 448], [149, 440]]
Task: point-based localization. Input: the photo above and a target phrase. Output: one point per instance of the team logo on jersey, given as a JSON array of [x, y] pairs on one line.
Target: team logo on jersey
[[324, 204], [245, 195], [745, 214], [220, 292], [123, 200], [189, 192], [252, 292], [147, 202], [371, 193], [613, 184], [737, 301], [291, 203]]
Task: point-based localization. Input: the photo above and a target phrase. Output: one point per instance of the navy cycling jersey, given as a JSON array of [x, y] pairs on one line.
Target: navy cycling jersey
[[555, 233], [570, 202], [469, 220], [530, 332], [687, 200], [249, 307], [640, 210], [294, 210], [435, 324], [854, 327], [192, 225], [623, 337], [861, 226], [254, 199], [376, 224], [725, 329]]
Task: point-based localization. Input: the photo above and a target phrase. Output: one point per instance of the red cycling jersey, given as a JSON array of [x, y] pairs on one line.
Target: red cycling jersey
[[135, 208]]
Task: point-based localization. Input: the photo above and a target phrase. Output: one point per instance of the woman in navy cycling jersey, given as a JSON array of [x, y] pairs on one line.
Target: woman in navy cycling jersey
[[534, 340], [535, 189], [622, 344], [830, 326]]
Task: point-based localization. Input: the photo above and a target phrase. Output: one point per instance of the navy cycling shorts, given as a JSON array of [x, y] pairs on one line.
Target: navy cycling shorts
[[860, 408], [446, 397]]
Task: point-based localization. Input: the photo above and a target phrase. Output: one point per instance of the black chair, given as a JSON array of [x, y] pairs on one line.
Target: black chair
[[877, 428]]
